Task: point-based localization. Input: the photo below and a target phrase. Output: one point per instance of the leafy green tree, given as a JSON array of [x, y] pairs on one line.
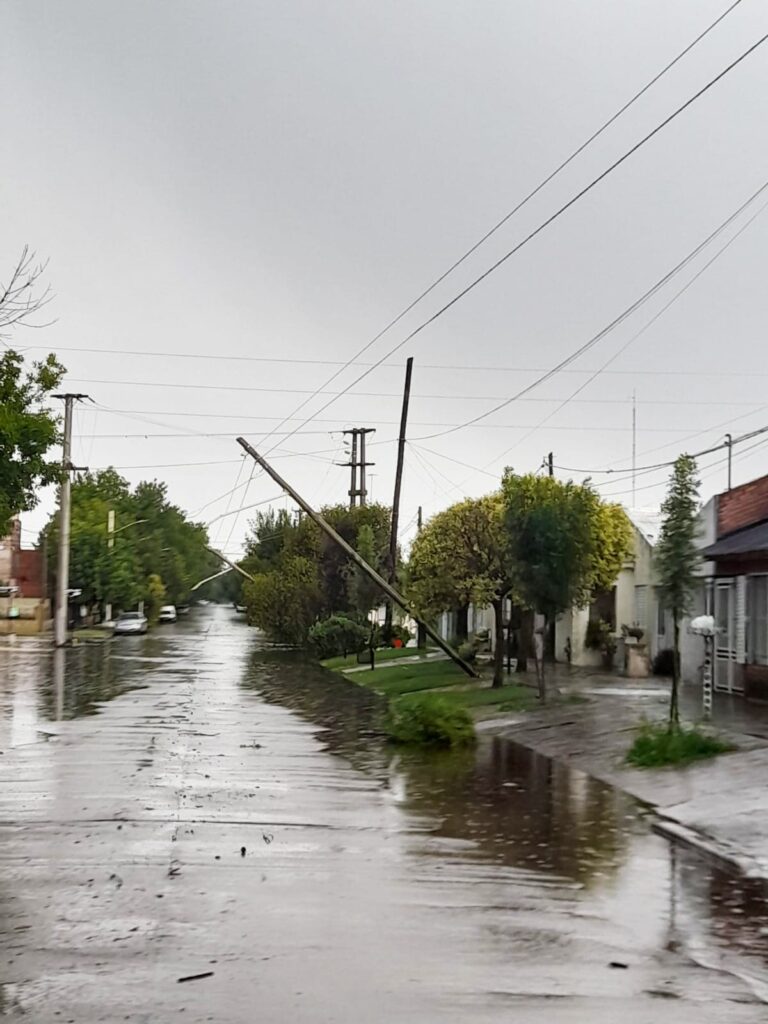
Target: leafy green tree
[[364, 594], [284, 602], [564, 542], [152, 538], [677, 559], [103, 574], [462, 556], [279, 550], [28, 432], [156, 597]]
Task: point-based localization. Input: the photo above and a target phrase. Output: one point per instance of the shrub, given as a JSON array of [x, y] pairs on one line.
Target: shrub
[[399, 632], [664, 662], [467, 651], [594, 635], [338, 635], [659, 745], [429, 720]]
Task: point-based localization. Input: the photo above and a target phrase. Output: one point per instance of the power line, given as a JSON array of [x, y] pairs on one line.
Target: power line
[[657, 315], [544, 224], [665, 465], [240, 417], [627, 312], [455, 367], [572, 156]]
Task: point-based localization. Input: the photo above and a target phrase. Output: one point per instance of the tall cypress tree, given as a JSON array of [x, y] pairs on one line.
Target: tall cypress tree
[[677, 559]]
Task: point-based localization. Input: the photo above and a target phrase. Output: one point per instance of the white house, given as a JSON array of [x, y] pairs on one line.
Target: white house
[[631, 601]]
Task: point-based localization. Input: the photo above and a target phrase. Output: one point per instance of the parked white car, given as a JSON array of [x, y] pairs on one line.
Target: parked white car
[[167, 613], [129, 623]]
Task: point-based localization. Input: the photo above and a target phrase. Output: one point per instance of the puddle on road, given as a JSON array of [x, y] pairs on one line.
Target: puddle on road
[[549, 824], [516, 825]]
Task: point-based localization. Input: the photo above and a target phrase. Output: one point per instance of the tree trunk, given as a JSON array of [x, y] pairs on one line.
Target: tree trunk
[[498, 644], [462, 623], [539, 634], [674, 705]]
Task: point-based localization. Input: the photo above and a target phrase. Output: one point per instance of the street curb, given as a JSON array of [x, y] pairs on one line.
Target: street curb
[[712, 848]]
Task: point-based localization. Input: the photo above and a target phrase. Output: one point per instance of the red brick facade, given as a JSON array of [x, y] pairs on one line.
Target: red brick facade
[[743, 506], [28, 572]]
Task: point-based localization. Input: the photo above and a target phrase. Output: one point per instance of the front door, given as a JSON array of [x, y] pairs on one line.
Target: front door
[[726, 677]]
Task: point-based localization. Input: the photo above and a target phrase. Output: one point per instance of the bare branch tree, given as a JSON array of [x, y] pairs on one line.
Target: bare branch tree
[[21, 298]]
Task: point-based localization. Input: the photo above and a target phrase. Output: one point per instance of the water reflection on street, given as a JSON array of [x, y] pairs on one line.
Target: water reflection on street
[[485, 882]]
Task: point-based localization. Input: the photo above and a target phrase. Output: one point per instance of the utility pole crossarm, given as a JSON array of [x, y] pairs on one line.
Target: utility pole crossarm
[[360, 562]]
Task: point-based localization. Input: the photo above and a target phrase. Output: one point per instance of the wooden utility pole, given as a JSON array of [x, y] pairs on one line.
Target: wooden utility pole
[[729, 446], [551, 464], [392, 563], [65, 512], [226, 561], [634, 446], [421, 636], [359, 562]]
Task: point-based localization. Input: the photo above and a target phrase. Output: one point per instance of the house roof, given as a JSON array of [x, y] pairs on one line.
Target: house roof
[[647, 522], [743, 542]]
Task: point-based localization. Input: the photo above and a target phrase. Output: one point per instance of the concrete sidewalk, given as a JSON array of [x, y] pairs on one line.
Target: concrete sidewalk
[[719, 806]]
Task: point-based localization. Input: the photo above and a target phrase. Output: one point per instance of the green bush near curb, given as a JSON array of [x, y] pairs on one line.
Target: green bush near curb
[[657, 746], [429, 720]]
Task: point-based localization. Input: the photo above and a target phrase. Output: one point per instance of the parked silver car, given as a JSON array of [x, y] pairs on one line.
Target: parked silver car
[[130, 623]]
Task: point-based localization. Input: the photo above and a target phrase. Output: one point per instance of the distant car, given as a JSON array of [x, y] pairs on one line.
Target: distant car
[[167, 613], [130, 623], [182, 609]]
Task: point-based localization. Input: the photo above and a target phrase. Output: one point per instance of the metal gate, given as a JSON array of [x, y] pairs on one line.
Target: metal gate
[[727, 675]]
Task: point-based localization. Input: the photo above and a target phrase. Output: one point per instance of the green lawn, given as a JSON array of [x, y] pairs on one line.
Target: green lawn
[[454, 685], [385, 654], [410, 678]]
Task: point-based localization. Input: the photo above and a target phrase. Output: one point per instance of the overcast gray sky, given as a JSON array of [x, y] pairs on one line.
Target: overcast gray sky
[[279, 180]]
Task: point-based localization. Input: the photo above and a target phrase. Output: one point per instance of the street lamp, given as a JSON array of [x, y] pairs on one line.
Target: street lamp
[[704, 625]]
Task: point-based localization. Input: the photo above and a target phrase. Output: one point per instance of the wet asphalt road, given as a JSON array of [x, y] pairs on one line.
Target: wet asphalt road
[[375, 886]]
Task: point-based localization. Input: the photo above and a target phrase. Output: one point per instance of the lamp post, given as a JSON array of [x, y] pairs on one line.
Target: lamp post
[[111, 531], [704, 625]]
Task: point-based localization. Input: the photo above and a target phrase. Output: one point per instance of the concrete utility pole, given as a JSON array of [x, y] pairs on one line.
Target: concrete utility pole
[[729, 446], [392, 563], [359, 562], [65, 509], [358, 465]]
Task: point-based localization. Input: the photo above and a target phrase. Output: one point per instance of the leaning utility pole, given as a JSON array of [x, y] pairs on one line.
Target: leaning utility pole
[[65, 503], [226, 561], [359, 562], [392, 563]]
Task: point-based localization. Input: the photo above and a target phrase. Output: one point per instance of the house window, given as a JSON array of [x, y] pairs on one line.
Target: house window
[[757, 611], [603, 607], [641, 606]]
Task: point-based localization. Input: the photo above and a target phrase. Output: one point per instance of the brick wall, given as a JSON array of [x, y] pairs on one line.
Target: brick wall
[[28, 573], [743, 506]]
